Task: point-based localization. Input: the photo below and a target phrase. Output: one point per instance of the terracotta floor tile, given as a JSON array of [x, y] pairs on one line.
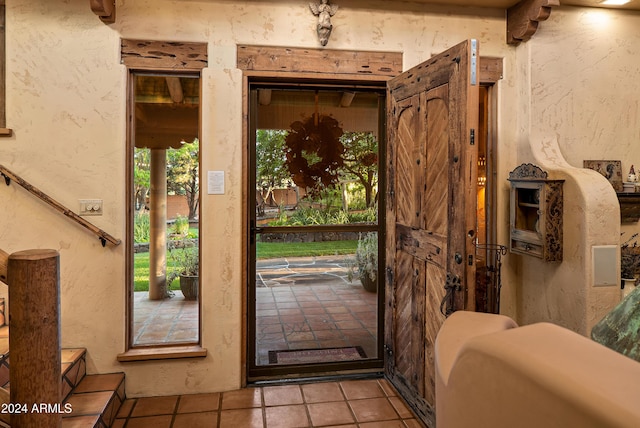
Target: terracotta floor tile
[[242, 399], [373, 409], [80, 421], [282, 395], [287, 417], [335, 413], [401, 408], [155, 406], [150, 422], [125, 409], [322, 392], [91, 403], [387, 387], [355, 390], [384, 424], [194, 420], [245, 418], [105, 382], [413, 423], [199, 403], [118, 423]]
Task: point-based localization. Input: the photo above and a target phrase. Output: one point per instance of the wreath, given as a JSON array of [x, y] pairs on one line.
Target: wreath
[[314, 152]]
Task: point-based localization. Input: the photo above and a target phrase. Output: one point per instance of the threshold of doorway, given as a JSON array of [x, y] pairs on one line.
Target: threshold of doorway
[[330, 377]]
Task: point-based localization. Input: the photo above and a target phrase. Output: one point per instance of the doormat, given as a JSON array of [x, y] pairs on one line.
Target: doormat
[[321, 355]]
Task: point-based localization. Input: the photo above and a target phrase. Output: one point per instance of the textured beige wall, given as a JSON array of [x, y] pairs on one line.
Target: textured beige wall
[[581, 82], [66, 103]]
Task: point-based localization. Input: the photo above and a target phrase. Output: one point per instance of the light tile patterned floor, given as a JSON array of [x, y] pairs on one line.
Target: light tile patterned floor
[[370, 403]]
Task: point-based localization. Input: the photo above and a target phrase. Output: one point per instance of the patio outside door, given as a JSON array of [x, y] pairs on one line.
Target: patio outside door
[[314, 156], [431, 214]]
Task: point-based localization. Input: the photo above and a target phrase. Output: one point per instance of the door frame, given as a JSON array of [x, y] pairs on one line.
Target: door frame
[[270, 63]]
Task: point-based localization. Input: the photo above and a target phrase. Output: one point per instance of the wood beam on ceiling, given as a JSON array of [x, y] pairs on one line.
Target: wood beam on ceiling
[[347, 99], [105, 9], [523, 18], [264, 97], [175, 89]]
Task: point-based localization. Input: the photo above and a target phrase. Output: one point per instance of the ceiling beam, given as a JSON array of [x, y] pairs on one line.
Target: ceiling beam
[[264, 97], [175, 89], [523, 18], [347, 98], [105, 9]]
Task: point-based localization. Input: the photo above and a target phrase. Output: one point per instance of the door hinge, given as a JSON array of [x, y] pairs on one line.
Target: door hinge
[[474, 61], [472, 136]]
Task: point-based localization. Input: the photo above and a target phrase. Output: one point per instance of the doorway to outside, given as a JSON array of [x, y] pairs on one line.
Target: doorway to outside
[[315, 298]]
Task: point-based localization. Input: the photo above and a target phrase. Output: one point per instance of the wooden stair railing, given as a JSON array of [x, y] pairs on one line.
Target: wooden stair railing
[[101, 234]]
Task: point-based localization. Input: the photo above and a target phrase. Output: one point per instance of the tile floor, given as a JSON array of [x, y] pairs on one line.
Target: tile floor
[[370, 403], [162, 321]]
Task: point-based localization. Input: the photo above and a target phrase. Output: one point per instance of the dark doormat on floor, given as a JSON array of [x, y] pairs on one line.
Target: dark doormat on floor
[[321, 355]]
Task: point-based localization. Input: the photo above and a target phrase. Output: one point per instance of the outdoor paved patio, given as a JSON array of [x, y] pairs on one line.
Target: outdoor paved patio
[[301, 303]]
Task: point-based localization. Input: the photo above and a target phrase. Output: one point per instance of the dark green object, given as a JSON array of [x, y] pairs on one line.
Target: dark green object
[[620, 329]]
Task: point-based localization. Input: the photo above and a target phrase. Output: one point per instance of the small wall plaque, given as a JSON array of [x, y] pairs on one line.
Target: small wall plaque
[[610, 169]]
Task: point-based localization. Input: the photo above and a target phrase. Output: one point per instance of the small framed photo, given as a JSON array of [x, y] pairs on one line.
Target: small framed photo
[[610, 169]]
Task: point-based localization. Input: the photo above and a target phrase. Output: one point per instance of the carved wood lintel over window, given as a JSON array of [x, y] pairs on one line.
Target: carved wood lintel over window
[[523, 18], [105, 9], [160, 55]]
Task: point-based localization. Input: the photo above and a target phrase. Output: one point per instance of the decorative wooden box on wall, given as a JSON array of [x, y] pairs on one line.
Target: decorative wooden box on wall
[[536, 213]]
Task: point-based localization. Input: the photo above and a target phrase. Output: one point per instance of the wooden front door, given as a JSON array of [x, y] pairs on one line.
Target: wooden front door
[[432, 118]]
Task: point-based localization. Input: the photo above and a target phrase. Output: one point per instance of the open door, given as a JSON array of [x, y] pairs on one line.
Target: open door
[[432, 118]]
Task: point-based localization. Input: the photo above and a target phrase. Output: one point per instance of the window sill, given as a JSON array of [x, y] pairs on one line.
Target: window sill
[[162, 353], [6, 132]]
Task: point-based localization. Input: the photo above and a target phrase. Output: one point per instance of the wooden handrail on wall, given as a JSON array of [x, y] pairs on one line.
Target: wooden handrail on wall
[[101, 234]]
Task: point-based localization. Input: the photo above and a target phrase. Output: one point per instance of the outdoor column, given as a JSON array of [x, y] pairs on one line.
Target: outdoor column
[[158, 225]]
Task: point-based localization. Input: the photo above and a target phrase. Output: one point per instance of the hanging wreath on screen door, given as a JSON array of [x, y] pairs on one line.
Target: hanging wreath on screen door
[[314, 151]]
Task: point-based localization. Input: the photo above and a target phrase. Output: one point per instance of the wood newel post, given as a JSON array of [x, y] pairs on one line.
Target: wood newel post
[[34, 337]]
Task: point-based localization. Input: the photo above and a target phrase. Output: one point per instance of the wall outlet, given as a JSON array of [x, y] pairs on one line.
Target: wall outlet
[[90, 207]]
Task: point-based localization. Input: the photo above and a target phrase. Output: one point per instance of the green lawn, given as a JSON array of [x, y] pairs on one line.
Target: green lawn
[[141, 273], [269, 250], [265, 250]]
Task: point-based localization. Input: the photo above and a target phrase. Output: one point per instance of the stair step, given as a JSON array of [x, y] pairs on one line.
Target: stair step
[[95, 401], [73, 369]]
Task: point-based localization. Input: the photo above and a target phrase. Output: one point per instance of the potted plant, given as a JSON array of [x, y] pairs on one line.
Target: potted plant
[[186, 263], [366, 261]]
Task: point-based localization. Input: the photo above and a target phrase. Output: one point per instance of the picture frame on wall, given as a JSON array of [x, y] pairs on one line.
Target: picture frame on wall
[[610, 169]]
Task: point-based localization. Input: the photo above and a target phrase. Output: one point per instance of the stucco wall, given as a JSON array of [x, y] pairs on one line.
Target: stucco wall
[[578, 101], [66, 97]]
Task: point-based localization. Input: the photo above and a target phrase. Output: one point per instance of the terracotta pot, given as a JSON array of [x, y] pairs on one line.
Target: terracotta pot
[[368, 283], [189, 286]]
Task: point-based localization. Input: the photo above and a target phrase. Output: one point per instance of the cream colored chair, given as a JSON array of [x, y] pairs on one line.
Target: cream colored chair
[[490, 373]]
